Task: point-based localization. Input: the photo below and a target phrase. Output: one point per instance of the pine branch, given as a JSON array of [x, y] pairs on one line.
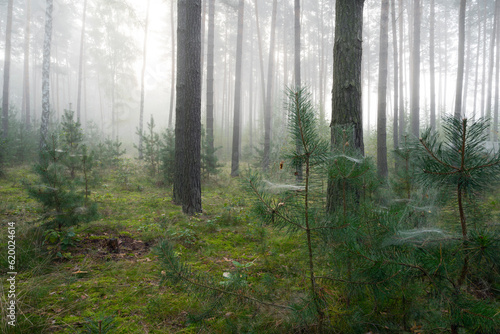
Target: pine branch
[[436, 158]]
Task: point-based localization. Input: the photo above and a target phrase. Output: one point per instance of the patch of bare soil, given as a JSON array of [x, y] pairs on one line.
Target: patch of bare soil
[[113, 247]]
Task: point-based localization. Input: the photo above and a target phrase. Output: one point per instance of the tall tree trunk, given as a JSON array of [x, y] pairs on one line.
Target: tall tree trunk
[[187, 180], [347, 53], [382, 91], [235, 157], [402, 112], [461, 58], [297, 76], [467, 67], [488, 111], [6, 71], [269, 95], [346, 91], [143, 72], [261, 57], [476, 71], [80, 62], [210, 75], [251, 95], [202, 34], [172, 84], [181, 97], [44, 126], [432, 69], [26, 76], [483, 83], [497, 81], [395, 131], [415, 82]]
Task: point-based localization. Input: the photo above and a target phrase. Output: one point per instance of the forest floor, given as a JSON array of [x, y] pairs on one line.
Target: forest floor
[[107, 272]]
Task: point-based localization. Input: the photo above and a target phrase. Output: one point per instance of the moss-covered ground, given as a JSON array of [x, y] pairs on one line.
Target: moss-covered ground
[[108, 269]]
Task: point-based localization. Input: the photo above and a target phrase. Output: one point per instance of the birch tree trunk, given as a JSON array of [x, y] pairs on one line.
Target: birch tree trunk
[[44, 126]]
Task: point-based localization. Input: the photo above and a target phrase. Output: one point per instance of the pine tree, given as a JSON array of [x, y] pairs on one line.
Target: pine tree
[[150, 147], [72, 139], [64, 202]]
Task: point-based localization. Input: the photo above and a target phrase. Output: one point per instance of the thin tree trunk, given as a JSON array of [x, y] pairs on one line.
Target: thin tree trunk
[[402, 123], [261, 57], [415, 87], [172, 84], [269, 97], [235, 157], [26, 77], [298, 83], [6, 71], [476, 72], [483, 83], [468, 39], [181, 96], [80, 62], [432, 69], [143, 72], [382, 91], [461, 60], [497, 81], [395, 131], [210, 74], [44, 127], [488, 111]]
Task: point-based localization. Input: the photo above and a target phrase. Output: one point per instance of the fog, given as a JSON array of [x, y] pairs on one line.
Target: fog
[[113, 58]]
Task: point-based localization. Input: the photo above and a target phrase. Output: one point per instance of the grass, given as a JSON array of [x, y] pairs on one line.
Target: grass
[[89, 282]]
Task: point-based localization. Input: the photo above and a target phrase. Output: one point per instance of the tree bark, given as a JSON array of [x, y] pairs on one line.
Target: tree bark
[[210, 74], [415, 82], [187, 182], [395, 131], [80, 62], [235, 157], [488, 109], [382, 91], [143, 72], [269, 97], [180, 163], [402, 112], [461, 60], [261, 57], [347, 54], [172, 84], [497, 81], [6, 71], [44, 126], [298, 79], [346, 91], [432, 67], [26, 76]]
